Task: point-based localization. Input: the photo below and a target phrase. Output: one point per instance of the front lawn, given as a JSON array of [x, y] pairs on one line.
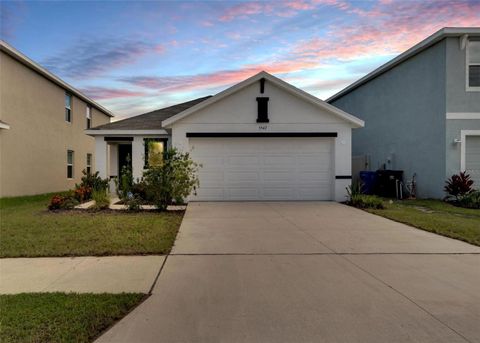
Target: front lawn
[[435, 216], [60, 317], [28, 229]]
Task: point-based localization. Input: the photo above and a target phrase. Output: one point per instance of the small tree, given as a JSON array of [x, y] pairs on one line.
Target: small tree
[[172, 178], [458, 185]]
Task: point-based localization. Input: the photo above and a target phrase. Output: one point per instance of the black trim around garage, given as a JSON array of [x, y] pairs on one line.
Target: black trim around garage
[[259, 134], [119, 139], [343, 177]]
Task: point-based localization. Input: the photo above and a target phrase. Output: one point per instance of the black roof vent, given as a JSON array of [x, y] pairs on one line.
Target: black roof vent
[[262, 103]]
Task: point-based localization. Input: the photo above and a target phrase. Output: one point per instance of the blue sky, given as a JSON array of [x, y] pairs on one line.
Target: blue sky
[[136, 56]]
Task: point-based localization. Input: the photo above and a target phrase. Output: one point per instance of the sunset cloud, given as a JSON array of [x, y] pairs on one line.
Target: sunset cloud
[[104, 93], [137, 56], [89, 58]]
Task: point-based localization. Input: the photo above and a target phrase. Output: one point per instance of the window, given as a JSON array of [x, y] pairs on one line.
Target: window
[[473, 64], [70, 164], [89, 116], [89, 164], [154, 150], [68, 107]]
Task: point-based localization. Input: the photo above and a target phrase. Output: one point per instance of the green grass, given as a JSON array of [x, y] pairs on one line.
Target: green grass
[[60, 317], [436, 216], [28, 229]]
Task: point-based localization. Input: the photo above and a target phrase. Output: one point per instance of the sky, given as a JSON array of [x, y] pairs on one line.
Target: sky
[[137, 56]]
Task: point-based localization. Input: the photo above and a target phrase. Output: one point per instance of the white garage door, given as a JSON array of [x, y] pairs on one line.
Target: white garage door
[[264, 168], [472, 159]]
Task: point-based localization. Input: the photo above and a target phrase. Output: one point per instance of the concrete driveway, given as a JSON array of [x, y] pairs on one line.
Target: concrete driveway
[[307, 272]]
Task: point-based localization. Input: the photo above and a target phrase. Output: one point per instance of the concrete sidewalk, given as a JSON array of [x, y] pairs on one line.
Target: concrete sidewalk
[[113, 274]]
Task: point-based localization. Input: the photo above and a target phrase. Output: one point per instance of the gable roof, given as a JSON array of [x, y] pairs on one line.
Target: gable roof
[[19, 57], [150, 120], [276, 81], [423, 45]]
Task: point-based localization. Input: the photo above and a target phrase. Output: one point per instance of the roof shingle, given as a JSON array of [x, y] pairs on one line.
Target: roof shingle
[[150, 120]]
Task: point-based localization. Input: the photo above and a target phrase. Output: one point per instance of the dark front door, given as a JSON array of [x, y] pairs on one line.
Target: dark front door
[[124, 157]]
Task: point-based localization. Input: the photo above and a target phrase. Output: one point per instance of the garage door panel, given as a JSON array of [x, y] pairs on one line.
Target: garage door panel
[[243, 160], [264, 168], [281, 160], [242, 176], [243, 193], [210, 193]]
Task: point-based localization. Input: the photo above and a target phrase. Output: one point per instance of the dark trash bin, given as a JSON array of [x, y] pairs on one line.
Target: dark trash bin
[[389, 183], [369, 181]]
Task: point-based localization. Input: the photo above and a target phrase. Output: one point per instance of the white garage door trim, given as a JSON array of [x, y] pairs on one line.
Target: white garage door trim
[[264, 168], [472, 158], [463, 141]]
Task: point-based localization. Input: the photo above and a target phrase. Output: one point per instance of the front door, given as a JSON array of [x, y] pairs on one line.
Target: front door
[[124, 157]]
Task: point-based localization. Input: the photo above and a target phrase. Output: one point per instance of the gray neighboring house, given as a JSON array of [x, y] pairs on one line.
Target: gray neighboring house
[[422, 111]]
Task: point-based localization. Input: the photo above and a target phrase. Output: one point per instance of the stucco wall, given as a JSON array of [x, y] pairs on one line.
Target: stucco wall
[[287, 113], [453, 149], [459, 100], [34, 150], [404, 114]]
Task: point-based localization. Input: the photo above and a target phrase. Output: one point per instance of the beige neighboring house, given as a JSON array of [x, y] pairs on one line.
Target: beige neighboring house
[[43, 145]]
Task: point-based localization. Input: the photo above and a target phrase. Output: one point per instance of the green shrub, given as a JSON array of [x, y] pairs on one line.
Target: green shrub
[[354, 189], [65, 201], [125, 183], [92, 182], [366, 201], [172, 180], [470, 200], [133, 203], [102, 200]]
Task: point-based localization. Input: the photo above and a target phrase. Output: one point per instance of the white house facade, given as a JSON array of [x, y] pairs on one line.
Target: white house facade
[[262, 139]]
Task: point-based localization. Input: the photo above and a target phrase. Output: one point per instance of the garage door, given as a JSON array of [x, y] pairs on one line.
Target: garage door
[[472, 159], [264, 168]]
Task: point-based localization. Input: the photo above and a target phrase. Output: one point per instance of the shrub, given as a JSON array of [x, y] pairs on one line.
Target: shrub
[[62, 202], [83, 193], [458, 185], [354, 189], [101, 198], [173, 179], [92, 181], [133, 203], [357, 199], [125, 183], [56, 202], [470, 200]]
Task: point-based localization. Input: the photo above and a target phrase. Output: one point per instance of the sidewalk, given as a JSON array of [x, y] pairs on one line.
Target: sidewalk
[[112, 274]]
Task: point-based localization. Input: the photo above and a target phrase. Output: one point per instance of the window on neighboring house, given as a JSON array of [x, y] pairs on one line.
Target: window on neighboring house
[[154, 150], [89, 116], [68, 107], [473, 61], [70, 164], [89, 164]]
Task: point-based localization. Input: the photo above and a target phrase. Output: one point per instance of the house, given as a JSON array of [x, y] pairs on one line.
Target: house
[[43, 146], [261, 139], [422, 111]]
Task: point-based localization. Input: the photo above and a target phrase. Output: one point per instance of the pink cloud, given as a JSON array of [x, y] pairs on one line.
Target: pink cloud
[[103, 93], [387, 34], [244, 10]]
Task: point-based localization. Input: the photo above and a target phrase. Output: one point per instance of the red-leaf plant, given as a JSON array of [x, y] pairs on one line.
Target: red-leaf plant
[[458, 185]]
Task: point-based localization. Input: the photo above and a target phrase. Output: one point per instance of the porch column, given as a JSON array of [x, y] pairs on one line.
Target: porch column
[[101, 156], [138, 150]]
